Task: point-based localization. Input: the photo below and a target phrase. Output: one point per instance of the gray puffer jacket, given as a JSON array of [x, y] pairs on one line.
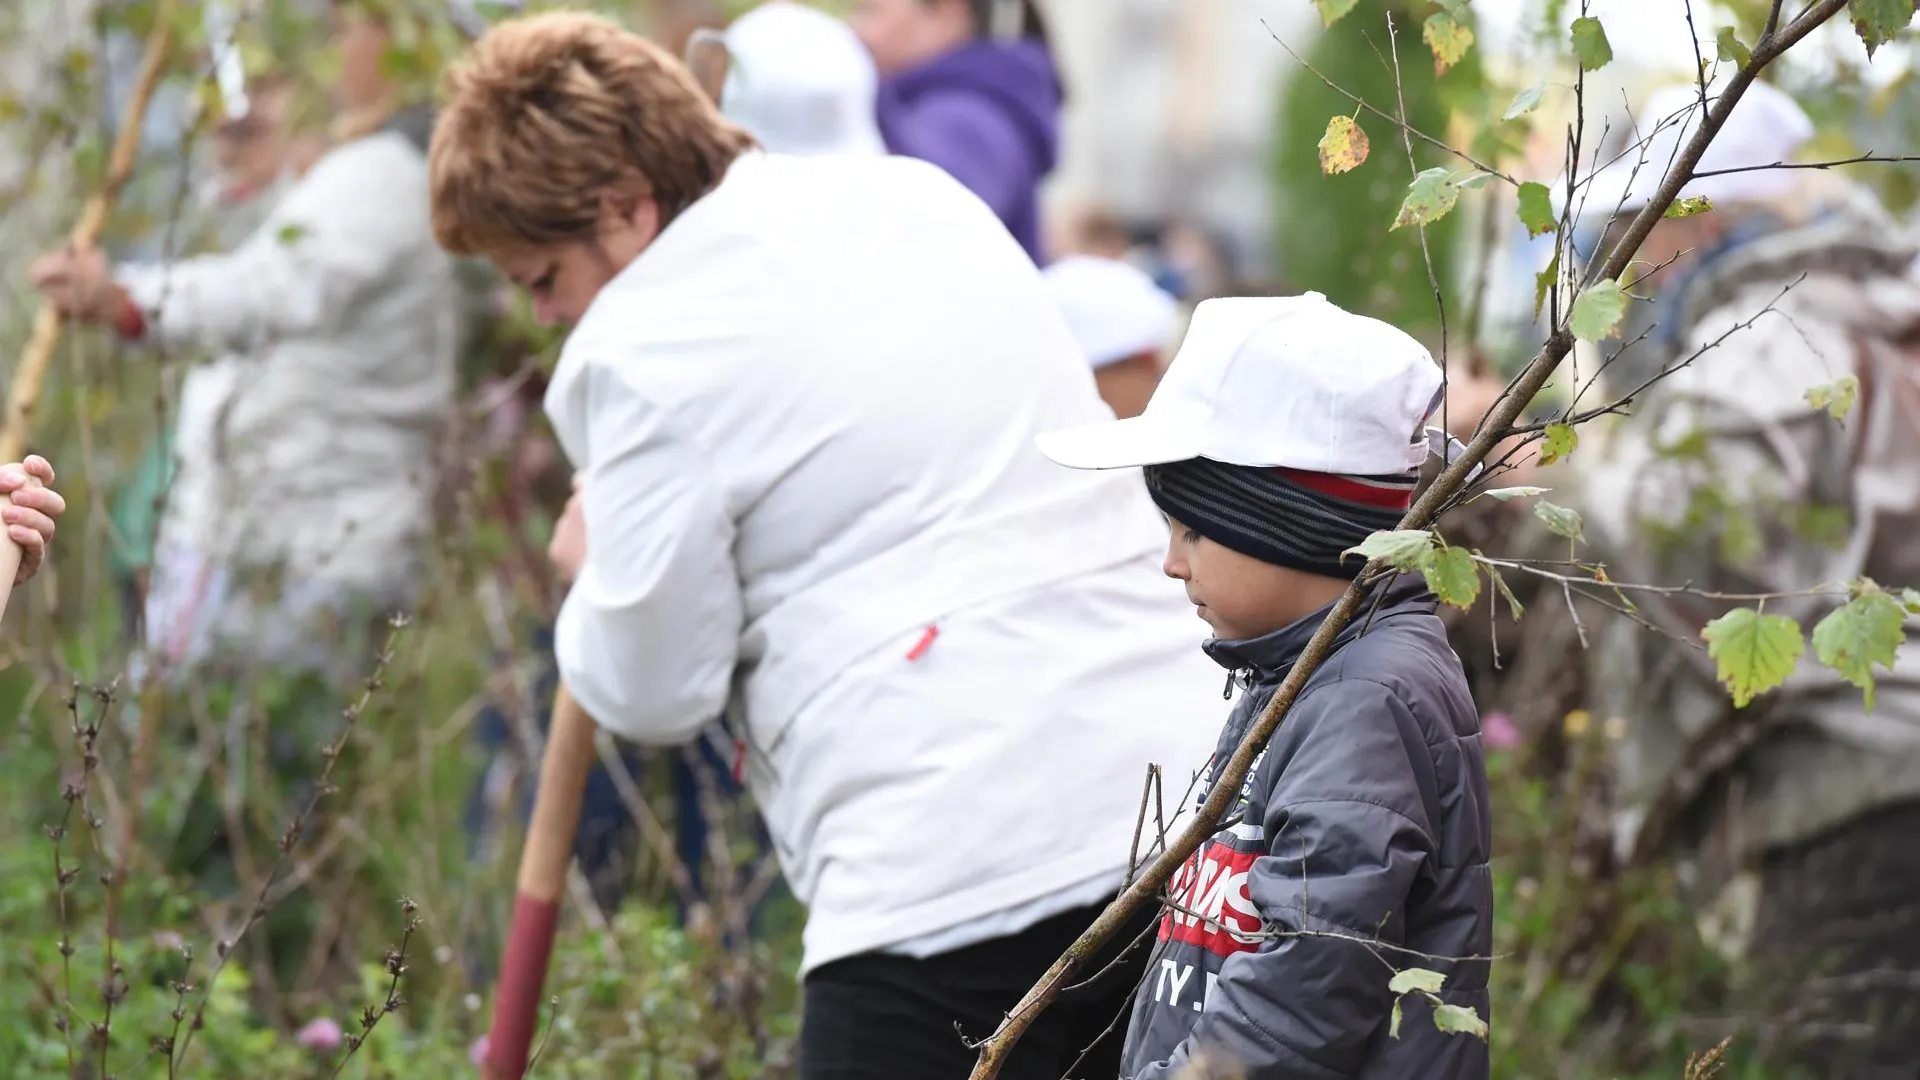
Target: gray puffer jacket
[[1365, 817]]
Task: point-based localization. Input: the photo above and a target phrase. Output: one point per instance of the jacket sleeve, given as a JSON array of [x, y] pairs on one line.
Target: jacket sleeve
[[975, 143], [647, 637], [339, 232], [1347, 837]]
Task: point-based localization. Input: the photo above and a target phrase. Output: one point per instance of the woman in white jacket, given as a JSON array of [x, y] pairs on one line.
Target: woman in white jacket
[[303, 496], [801, 393]]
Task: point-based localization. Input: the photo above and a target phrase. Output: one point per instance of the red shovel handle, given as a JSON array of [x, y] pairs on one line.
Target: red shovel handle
[[543, 882]]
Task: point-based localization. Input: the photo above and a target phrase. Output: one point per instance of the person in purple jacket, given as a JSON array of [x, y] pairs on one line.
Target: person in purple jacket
[[970, 86]]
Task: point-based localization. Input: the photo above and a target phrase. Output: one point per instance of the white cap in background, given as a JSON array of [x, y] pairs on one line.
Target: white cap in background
[[1113, 308], [1766, 126], [801, 82], [1291, 381]]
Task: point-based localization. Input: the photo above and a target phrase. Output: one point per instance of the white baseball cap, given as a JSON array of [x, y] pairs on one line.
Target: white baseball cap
[[801, 82], [1766, 126], [1292, 381], [1113, 308]]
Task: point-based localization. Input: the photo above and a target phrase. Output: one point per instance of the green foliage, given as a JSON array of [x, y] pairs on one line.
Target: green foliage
[[1557, 442], [1598, 311], [1877, 21], [1688, 207], [1731, 49], [1416, 979], [1837, 397], [1754, 652], [1459, 1020], [1544, 282], [1401, 549], [1536, 209], [1863, 632], [1590, 45], [1559, 520], [1330, 232], [1331, 11], [1448, 38], [1429, 198], [1452, 575], [1525, 101]]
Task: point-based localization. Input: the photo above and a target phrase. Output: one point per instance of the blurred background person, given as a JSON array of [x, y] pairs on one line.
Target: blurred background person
[[801, 82], [1794, 817], [1123, 323], [303, 498], [970, 86]]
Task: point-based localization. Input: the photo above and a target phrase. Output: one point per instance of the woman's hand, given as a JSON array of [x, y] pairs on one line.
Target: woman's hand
[[568, 548], [80, 285], [30, 521]]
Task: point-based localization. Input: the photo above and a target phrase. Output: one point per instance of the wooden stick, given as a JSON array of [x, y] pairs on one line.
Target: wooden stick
[[24, 394], [544, 863]]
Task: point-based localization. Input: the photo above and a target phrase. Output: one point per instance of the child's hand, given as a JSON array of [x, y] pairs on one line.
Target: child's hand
[[80, 284], [36, 508]]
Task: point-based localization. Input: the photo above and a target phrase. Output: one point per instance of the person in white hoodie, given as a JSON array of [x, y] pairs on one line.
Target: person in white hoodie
[[800, 82], [801, 394], [303, 502]]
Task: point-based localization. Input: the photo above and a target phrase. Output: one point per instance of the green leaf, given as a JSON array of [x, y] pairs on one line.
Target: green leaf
[[1525, 102], [1344, 147], [1910, 599], [1470, 180], [1689, 206], [1863, 632], [1331, 11], [1559, 441], [1590, 43], [1455, 8], [1393, 1021], [1731, 50], [1401, 549], [1429, 198], [1544, 281], [1598, 311], [1506, 493], [1536, 208], [1448, 37], [1837, 397], [1458, 1020], [1513, 602], [1560, 520], [1754, 652], [1877, 21], [1416, 979], [1451, 575], [290, 234]]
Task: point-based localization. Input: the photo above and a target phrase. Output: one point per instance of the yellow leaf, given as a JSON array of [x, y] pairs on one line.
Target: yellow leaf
[[1344, 147], [1448, 38]]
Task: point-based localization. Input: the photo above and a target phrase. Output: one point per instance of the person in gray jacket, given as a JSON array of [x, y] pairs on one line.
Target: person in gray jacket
[[1284, 433]]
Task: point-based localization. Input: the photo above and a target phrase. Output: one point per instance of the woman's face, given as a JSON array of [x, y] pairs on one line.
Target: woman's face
[[904, 33]]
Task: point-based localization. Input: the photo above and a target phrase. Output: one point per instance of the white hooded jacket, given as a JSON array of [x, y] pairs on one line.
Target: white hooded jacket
[[805, 417], [313, 451]]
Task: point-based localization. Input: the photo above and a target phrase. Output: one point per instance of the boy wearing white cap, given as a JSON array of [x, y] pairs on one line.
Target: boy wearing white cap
[[1122, 322], [1283, 434]]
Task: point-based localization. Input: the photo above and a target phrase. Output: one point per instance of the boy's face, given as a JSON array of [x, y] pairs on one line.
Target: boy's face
[[1238, 595]]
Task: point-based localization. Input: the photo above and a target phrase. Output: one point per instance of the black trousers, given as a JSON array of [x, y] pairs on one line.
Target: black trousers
[[881, 1017]]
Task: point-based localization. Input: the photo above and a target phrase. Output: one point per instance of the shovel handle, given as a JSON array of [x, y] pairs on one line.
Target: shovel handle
[[544, 862]]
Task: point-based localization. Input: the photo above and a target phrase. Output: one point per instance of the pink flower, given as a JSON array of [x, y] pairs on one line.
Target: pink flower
[[1498, 732], [477, 1055], [322, 1033]]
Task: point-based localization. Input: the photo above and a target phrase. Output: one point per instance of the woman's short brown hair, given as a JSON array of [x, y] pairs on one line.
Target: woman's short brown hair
[[548, 112]]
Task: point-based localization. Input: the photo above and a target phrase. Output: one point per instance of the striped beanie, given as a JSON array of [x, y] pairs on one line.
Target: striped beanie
[[1287, 517]]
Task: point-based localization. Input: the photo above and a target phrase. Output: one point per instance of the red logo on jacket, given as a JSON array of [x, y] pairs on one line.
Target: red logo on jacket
[[1212, 908]]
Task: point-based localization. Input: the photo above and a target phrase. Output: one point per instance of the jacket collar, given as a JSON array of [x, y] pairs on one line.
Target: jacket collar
[[1271, 654]]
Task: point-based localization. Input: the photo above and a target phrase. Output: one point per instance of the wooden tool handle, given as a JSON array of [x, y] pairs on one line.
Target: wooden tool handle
[[568, 757]]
